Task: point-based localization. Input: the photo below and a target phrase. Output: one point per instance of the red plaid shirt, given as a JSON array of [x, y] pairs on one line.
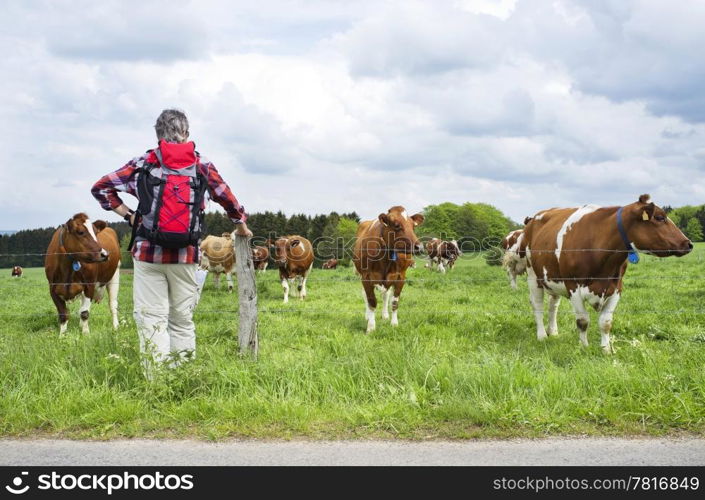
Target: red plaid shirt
[[125, 179]]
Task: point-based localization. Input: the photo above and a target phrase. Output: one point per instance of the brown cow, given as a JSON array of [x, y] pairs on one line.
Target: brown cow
[[382, 254], [330, 264], [511, 262], [83, 258], [16, 272], [443, 253], [293, 255], [260, 258], [218, 256], [581, 253]]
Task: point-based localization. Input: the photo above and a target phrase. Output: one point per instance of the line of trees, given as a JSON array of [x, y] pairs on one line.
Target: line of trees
[[478, 222], [26, 248], [690, 219]]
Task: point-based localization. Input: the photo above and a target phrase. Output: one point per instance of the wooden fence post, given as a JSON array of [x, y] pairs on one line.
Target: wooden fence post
[[247, 295]]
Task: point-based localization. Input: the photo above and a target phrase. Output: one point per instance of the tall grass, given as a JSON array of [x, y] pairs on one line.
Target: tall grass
[[464, 362]]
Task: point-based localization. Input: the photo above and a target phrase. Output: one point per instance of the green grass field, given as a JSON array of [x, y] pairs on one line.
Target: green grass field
[[463, 363]]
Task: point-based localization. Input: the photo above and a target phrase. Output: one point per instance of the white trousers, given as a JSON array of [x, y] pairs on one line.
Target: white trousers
[[164, 298]]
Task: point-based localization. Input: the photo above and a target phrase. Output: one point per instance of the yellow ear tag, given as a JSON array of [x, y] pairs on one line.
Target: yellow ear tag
[[644, 215]]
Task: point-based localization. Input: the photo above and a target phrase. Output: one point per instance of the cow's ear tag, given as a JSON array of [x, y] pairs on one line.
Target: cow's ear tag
[[644, 215], [393, 256], [76, 265]]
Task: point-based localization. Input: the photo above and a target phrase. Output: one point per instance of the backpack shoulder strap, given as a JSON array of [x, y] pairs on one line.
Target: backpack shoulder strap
[[158, 154]]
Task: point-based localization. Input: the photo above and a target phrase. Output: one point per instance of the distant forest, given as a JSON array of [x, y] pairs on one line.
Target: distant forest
[[448, 220], [26, 248], [479, 222]]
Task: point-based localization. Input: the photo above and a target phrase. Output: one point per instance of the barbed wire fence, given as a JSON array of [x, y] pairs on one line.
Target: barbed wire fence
[[500, 279], [249, 312]]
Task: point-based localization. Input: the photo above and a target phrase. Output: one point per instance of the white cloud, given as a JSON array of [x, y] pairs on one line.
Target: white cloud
[[320, 106]]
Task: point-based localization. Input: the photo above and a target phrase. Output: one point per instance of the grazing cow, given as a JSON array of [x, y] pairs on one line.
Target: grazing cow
[[581, 253], [218, 256], [511, 262], [330, 264], [382, 253], [83, 258], [260, 258], [293, 255], [443, 253], [16, 272]]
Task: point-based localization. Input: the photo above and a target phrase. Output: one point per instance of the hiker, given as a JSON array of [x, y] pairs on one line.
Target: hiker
[[170, 183]]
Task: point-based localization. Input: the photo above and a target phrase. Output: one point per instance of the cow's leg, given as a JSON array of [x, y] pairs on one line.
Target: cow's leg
[[512, 278], [296, 282], [395, 302], [553, 302], [285, 286], [85, 312], [60, 304], [216, 280], [113, 289], [605, 322], [536, 298], [303, 282], [441, 266], [582, 318], [368, 290], [386, 298], [429, 264], [229, 279]]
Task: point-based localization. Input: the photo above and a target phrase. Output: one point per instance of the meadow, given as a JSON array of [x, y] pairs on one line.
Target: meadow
[[463, 363]]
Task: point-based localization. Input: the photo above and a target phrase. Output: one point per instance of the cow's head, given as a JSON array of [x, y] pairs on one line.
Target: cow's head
[[454, 249], [398, 230], [287, 248], [651, 231], [80, 241], [260, 253]]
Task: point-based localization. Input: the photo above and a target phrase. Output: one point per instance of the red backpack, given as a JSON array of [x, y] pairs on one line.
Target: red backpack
[[171, 198]]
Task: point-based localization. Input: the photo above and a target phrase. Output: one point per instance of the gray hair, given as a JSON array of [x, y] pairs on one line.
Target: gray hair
[[172, 126]]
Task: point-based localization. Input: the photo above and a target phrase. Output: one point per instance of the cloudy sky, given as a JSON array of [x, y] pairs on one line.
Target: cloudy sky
[[313, 106]]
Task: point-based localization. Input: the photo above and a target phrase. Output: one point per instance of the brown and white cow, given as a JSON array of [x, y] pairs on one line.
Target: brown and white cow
[[579, 253], [330, 264], [443, 253], [293, 255], [382, 253], [511, 262], [260, 258], [218, 256], [16, 272], [83, 258]]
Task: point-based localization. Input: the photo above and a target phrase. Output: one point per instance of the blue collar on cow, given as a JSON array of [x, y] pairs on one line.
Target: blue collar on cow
[[75, 264], [633, 254]]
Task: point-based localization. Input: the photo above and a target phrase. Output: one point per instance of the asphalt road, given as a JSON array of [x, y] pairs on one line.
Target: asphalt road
[[588, 451]]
